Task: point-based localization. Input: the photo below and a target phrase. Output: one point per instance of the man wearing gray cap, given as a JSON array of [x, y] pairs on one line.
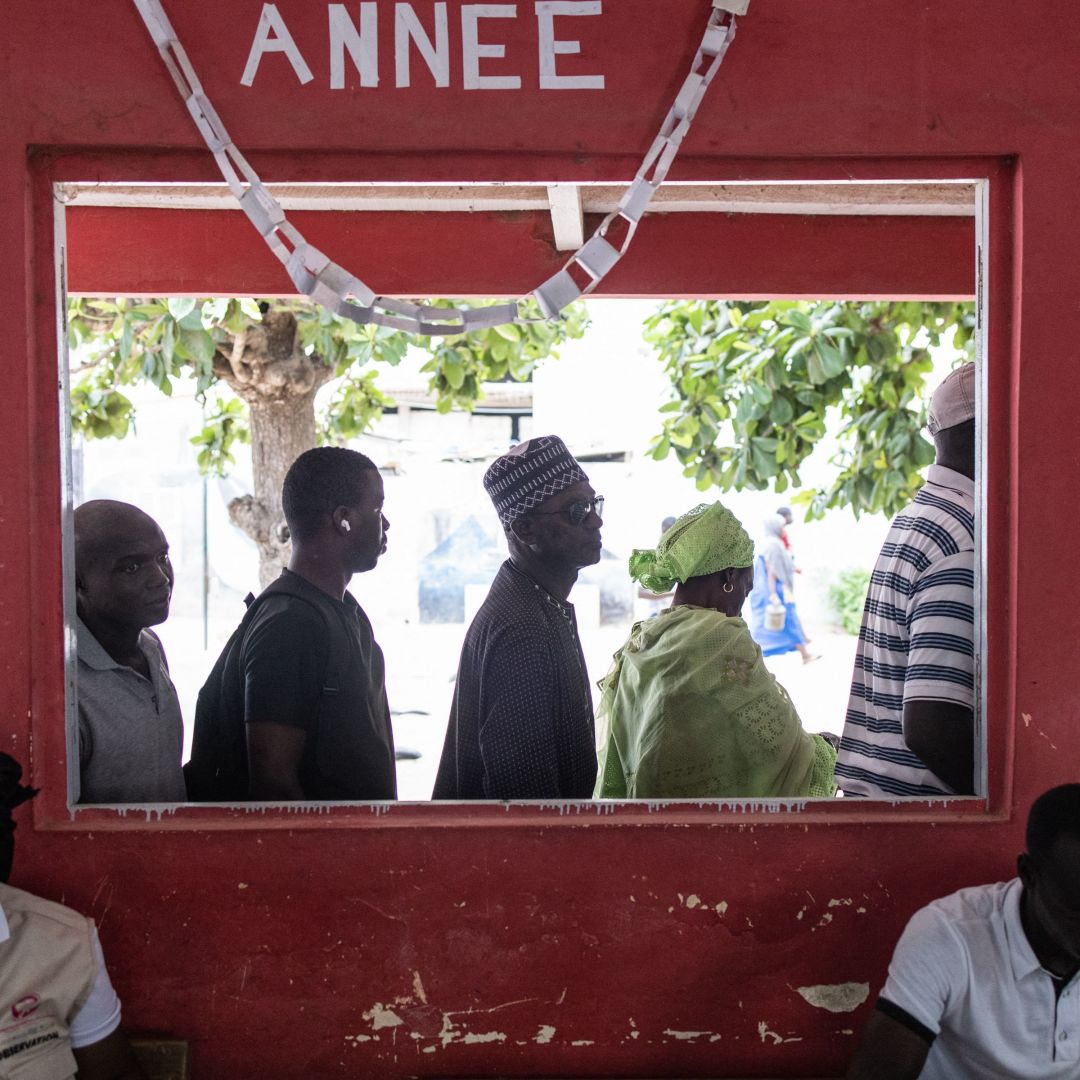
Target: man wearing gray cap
[[909, 729], [521, 723]]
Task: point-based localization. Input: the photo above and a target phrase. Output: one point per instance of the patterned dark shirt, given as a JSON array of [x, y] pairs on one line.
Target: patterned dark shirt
[[521, 724]]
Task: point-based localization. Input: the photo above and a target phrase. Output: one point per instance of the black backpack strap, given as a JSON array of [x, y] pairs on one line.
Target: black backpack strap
[[217, 771], [287, 586], [336, 650]]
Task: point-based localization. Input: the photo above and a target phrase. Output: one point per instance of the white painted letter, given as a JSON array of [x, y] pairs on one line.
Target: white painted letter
[[363, 45], [437, 57], [271, 22], [472, 51], [546, 10]]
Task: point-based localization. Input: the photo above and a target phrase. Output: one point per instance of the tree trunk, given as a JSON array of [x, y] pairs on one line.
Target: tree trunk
[[269, 369]]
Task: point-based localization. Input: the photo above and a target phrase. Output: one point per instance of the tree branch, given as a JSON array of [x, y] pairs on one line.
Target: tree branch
[[241, 371], [252, 518]]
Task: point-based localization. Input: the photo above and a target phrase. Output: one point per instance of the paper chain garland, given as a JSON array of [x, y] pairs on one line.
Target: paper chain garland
[[317, 276]]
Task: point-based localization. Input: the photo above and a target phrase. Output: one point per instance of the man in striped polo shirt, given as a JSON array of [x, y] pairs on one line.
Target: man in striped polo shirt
[[910, 719]]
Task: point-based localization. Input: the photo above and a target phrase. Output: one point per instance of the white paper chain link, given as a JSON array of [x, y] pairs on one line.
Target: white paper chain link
[[317, 276]]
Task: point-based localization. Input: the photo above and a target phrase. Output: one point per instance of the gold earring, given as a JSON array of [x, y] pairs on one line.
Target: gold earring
[[728, 587]]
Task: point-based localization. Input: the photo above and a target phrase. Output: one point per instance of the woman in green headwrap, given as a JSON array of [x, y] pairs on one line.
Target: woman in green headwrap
[[688, 709]]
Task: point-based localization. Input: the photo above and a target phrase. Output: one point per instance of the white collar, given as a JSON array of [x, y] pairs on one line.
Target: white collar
[[1021, 954], [950, 478], [5, 930]]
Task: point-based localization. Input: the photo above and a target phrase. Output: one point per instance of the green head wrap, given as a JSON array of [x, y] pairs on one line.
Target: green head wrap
[[704, 540]]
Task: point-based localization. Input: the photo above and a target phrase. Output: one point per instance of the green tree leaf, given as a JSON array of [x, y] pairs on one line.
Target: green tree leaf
[[179, 306], [772, 372]]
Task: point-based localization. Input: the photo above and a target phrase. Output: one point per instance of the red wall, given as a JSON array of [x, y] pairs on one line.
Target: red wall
[[550, 940]]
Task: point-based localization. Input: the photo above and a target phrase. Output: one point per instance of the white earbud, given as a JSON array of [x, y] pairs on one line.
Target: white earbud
[[346, 527]]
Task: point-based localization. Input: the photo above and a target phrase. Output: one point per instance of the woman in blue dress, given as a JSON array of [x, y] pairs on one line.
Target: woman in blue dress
[[774, 584]]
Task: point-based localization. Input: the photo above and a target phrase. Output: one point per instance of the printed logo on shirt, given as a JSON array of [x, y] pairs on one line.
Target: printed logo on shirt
[[25, 1039], [25, 1006]]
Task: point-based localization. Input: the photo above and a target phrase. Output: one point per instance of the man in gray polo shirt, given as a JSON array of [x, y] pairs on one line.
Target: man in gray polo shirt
[[985, 983], [131, 735]]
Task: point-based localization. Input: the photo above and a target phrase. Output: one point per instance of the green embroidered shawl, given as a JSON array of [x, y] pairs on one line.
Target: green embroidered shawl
[[689, 710]]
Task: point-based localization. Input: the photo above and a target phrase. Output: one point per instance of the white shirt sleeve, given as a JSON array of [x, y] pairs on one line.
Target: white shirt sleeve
[[927, 963], [99, 1015]]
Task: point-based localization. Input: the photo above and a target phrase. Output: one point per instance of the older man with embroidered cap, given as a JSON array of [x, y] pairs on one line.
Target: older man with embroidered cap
[[521, 723], [910, 717], [689, 709]]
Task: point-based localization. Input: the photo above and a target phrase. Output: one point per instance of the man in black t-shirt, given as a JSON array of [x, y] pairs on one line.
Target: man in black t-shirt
[[304, 678]]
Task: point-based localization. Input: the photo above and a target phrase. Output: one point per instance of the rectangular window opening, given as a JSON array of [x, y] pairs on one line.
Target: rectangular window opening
[[603, 396]]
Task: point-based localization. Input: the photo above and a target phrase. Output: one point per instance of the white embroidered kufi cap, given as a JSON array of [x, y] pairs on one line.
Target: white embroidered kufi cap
[[530, 474]]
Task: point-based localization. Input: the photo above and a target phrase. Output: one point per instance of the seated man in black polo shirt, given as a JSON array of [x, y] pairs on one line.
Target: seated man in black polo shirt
[[295, 707]]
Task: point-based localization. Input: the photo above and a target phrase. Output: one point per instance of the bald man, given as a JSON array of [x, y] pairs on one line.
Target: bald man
[[131, 735]]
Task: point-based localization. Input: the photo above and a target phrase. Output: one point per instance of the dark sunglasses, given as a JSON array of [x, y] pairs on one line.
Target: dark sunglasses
[[579, 512]]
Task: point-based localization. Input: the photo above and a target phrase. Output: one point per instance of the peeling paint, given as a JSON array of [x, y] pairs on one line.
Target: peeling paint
[[694, 901], [382, 1017], [583, 1042], [845, 902], [835, 997], [765, 1033], [1026, 717], [686, 1036], [484, 1037], [544, 1035], [418, 988]]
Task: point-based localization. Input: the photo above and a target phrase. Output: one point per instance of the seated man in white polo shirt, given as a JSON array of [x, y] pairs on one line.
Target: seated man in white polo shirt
[[58, 1010], [131, 735], [984, 984]]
